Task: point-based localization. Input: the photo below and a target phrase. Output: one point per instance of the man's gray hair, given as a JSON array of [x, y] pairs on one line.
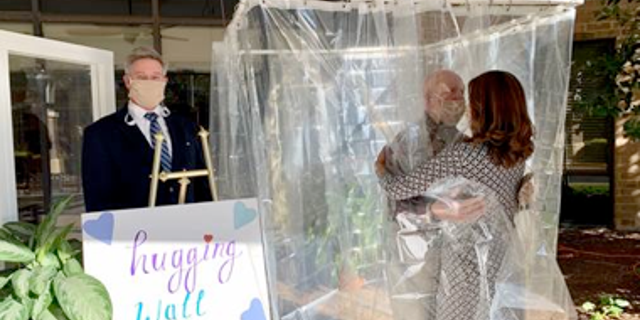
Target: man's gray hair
[[144, 53]]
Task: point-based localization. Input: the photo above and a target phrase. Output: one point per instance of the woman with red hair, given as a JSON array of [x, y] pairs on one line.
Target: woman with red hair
[[490, 163]]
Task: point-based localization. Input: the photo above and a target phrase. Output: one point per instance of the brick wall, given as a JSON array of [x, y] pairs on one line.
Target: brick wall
[[627, 181], [627, 153], [588, 27]]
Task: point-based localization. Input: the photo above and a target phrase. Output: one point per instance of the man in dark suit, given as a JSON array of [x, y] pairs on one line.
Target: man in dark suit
[[117, 153]]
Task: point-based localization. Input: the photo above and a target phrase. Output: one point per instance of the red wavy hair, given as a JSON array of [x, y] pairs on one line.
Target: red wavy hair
[[499, 117]]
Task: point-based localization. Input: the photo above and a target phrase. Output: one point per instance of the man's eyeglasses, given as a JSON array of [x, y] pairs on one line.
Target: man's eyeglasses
[[144, 77]]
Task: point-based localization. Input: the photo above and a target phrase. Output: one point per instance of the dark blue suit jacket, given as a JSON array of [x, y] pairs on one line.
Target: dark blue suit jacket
[[117, 161]]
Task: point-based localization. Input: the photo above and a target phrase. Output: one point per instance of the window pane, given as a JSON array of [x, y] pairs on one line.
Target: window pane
[[189, 47], [24, 28], [588, 136], [15, 5], [51, 104], [187, 93], [102, 7], [188, 52], [118, 39]]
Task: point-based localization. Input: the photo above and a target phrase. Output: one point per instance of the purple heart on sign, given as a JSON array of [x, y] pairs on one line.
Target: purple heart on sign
[[101, 229]]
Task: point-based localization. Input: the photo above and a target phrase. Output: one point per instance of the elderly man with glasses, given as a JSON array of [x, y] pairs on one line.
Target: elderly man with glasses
[[117, 153]]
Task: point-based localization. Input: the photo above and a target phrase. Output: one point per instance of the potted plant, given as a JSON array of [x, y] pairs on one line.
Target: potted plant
[[46, 280]]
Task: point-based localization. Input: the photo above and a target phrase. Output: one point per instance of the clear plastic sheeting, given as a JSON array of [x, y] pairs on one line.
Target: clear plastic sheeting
[[309, 92], [479, 268]]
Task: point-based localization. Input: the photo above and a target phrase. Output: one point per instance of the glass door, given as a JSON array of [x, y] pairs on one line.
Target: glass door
[[49, 92]]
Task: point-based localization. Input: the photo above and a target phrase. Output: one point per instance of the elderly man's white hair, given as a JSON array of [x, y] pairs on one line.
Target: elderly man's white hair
[[144, 53]]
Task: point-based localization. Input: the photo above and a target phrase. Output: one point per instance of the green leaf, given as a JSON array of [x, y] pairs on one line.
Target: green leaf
[[28, 304], [619, 302], [83, 297], [72, 268], [52, 241], [50, 260], [20, 282], [588, 306], [46, 315], [57, 312], [613, 311], [48, 225], [6, 291], [14, 252], [65, 252], [606, 300], [21, 229], [632, 128], [39, 280], [4, 281], [13, 310], [42, 304], [9, 237], [76, 245], [62, 235]]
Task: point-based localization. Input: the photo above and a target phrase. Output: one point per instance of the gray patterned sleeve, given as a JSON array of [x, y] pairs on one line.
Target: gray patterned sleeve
[[447, 164]]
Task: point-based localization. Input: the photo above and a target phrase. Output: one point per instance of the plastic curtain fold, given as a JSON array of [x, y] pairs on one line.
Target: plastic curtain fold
[[307, 93]]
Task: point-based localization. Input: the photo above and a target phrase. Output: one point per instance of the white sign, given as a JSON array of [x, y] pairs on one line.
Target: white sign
[[195, 261]]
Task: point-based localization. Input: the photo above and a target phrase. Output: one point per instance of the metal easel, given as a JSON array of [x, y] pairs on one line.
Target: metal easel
[[182, 176]]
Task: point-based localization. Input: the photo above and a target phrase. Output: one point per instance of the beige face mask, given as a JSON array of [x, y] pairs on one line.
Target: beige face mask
[[447, 112], [451, 112], [147, 93]]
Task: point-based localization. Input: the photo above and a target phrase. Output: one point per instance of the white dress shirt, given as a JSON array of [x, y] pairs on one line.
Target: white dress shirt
[[137, 113]]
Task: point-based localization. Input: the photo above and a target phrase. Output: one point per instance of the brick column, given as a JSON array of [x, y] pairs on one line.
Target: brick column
[[627, 181]]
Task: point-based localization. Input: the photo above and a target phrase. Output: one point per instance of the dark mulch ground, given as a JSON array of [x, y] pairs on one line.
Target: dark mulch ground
[[599, 261]]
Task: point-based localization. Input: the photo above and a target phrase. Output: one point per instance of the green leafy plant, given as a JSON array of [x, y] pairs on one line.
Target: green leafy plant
[[351, 239], [620, 70], [608, 308], [47, 281], [585, 189]]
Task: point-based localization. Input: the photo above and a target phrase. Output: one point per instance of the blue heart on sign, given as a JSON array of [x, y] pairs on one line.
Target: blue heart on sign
[[255, 312], [101, 228], [242, 215]]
